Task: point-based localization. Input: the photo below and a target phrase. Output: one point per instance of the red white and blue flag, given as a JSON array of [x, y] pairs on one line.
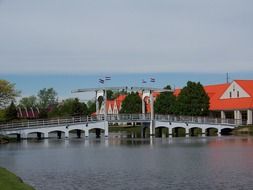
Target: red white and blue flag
[[101, 81], [107, 78], [143, 81], [152, 79]]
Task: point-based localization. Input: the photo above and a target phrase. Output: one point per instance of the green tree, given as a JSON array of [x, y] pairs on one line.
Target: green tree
[[29, 101], [91, 107], [47, 97], [69, 107], [165, 102], [79, 108], [2, 115], [8, 93], [132, 104], [192, 100], [110, 95], [11, 112]]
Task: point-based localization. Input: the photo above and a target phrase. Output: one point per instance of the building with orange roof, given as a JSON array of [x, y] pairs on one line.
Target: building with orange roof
[[230, 100]]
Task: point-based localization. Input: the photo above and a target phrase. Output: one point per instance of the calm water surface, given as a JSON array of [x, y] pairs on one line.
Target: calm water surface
[[177, 163]]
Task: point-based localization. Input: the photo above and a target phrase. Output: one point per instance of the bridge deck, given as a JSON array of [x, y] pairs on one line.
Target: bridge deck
[[116, 119]]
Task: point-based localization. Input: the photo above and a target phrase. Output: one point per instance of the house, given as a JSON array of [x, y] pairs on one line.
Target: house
[[27, 112], [231, 100]]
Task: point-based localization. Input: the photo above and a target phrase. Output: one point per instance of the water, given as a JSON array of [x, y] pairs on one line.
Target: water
[[177, 163]]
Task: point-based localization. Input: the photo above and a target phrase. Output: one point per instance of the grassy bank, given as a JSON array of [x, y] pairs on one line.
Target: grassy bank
[[248, 130], [9, 181], [4, 140]]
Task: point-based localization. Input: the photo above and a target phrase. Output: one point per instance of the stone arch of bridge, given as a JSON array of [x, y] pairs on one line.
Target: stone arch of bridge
[[178, 131], [211, 131], [97, 130], [76, 130], [226, 131], [36, 134], [58, 133], [162, 131], [196, 131]]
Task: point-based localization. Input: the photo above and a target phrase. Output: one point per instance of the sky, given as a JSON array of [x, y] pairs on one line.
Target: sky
[[70, 44]]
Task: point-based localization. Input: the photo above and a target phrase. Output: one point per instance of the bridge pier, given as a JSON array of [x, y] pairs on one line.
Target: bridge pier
[[24, 135], [219, 132], [170, 132], [187, 132], [45, 135], [106, 130], [87, 134], [151, 128], [66, 134]]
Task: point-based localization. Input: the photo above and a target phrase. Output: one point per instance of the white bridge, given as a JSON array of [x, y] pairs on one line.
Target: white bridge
[[101, 123]]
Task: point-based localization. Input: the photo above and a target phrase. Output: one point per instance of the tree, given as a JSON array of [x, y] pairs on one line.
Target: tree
[[29, 101], [69, 107], [79, 108], [8, 93], [11, 112], [91, 107], [110, 95], [192, 100], [165, 102], [47, 97], [132, 104]]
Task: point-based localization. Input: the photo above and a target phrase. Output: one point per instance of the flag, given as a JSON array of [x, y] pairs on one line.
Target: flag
[[107, 78], [143, 81], [101, 81], [152, 79]]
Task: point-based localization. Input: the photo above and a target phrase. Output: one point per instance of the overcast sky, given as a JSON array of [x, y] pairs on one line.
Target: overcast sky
[[130, 36]]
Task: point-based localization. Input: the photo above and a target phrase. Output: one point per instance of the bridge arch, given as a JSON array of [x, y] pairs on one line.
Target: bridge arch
[[161, 131], [196, 131], [36, 134], [79, 132], [56, 133], [226, 131], [96, 130], [14, 134], [178, 131], [211, 131]]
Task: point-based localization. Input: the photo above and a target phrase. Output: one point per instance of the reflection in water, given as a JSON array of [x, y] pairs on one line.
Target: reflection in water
[[121, 163]]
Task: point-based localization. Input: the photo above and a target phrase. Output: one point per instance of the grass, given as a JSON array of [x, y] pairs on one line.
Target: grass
[[9, 181], [248, 129]]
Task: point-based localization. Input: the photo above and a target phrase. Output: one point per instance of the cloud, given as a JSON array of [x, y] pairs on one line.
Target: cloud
[[61, 36]]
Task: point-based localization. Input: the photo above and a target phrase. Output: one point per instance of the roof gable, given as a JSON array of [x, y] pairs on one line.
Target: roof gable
[[234, 91]]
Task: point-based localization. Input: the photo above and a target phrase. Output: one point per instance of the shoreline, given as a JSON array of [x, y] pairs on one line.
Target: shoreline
[[10, 181]]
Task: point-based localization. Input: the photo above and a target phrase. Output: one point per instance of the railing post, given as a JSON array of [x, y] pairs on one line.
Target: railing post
[[28, 123]]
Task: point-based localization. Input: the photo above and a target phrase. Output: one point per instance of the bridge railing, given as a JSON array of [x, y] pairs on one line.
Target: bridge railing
[[128, 117], [50, 122], [196, 119]]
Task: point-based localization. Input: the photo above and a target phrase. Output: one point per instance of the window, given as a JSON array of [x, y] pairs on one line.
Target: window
[[238, 94], [230, 94]]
